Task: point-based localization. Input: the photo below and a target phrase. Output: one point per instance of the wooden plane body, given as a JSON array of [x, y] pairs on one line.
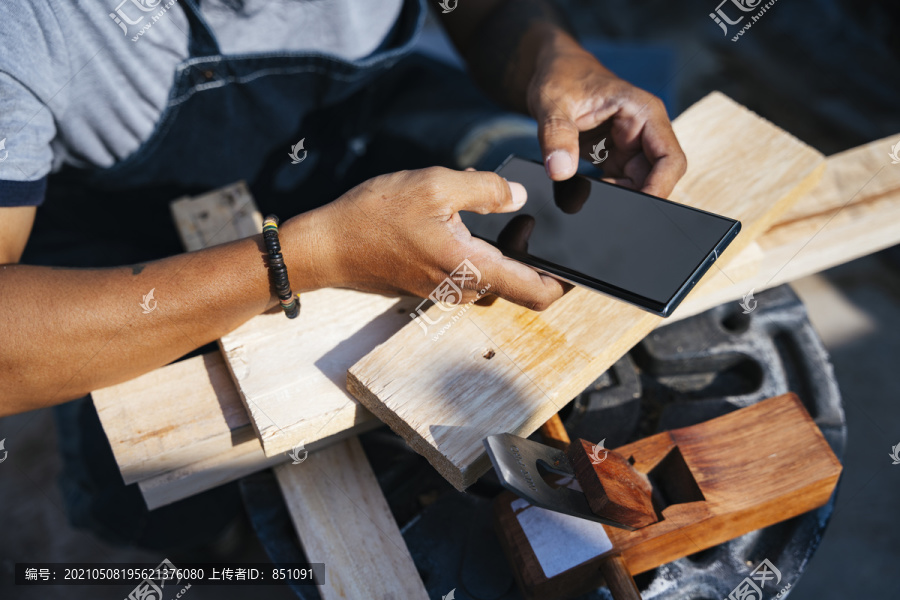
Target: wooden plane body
[[712, 482]]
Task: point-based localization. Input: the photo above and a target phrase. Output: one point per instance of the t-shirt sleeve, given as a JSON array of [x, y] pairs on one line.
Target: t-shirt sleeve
[[34, 68], [22, 193], [26, 132]]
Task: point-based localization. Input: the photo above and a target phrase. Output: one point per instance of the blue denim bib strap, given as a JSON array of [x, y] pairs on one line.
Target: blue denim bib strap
[[202, 41]]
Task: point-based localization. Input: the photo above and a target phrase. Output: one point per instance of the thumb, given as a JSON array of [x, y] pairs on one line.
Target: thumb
[[558, 136], [484, 192]]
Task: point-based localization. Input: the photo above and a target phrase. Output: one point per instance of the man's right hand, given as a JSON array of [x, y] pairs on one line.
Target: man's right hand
[[401, 233]]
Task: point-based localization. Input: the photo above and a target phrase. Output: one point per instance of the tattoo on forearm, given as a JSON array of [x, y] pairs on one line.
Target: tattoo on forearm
[[494, 53], [136, 269]]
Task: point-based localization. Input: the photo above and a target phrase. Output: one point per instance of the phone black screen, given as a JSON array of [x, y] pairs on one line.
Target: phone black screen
[[646, 246]]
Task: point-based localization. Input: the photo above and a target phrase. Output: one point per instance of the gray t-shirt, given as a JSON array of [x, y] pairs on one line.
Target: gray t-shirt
[[83, 82]]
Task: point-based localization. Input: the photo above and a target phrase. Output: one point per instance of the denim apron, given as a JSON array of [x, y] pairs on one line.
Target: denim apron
[[230, 118]]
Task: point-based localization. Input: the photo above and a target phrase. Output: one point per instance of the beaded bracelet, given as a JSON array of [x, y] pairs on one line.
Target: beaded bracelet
[[290, 302]]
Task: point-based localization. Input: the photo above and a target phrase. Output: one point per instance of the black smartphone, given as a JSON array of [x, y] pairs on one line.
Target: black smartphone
[[644, 250]]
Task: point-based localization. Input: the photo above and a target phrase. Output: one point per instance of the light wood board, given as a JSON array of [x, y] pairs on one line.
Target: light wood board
[[182, 429], [343, 524], [852, 212], [220, 216], [506, 369], [291, 373], [174, 416]]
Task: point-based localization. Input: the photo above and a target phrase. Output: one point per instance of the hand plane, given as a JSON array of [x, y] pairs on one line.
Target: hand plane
[[576, 519], [594, 483]]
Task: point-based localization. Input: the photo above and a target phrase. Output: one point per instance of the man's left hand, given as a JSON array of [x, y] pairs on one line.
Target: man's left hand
[[577, 103]]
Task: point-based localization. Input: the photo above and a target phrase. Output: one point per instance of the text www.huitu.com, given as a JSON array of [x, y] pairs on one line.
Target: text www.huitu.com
[[754, 19]]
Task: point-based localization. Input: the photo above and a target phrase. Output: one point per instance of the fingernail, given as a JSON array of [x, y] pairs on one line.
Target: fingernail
[[519, 195], [558, 164]]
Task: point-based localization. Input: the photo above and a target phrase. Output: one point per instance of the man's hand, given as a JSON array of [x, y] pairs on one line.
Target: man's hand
[[402, 232], [577, 103], [523, 54]]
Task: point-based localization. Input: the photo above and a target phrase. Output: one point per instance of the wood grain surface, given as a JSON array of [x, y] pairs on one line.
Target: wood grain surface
[[614, 489], [344, 521]]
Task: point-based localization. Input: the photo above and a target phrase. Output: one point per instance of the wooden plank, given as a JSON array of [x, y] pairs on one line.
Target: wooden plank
[[244, 458], [182, 429], [280, 365], [149, 437], [746, 470], [852, 212], [343, 524], [217, 217], [503, 368]]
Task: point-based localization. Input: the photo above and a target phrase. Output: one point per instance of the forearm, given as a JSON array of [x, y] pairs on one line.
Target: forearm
[[502, 43], [66, 332]]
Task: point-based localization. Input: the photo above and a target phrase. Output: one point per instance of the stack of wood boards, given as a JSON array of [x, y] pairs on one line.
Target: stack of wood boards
[[200, 436]]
